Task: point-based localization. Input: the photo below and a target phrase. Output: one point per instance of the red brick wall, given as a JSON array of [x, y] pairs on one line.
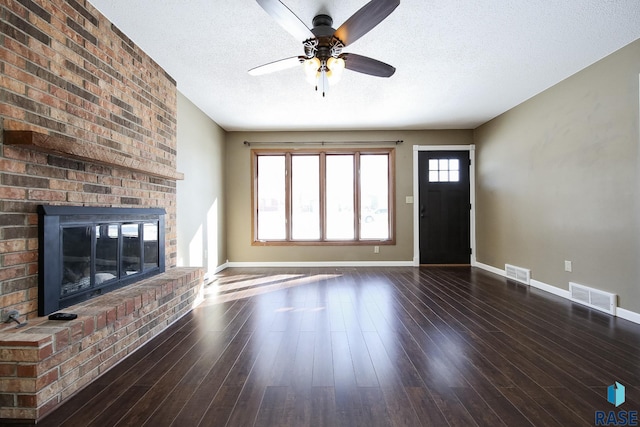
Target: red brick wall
[[66, 71]]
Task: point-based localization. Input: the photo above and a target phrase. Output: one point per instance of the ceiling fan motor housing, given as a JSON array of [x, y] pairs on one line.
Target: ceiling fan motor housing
[[325, 44], [322, 26]]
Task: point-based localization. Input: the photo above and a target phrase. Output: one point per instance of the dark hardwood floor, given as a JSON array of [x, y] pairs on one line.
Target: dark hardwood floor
[[369, 347]]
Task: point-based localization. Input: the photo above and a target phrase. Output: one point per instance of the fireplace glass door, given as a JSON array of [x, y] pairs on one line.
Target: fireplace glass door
[[119, 253], [131, 254], [150, 237], [106, 252], [85, 252], [76, 260]]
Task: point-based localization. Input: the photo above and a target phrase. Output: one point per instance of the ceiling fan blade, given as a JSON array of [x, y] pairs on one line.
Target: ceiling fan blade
[[279, 65], [361, 22], [286, 18], [366, 65]]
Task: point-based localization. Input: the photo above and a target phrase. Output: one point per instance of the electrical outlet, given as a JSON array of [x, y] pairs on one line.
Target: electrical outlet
[[376, 249], [567, 266]]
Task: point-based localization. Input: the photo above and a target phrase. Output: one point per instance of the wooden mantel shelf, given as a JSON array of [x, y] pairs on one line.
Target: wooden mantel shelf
[[67, 147]]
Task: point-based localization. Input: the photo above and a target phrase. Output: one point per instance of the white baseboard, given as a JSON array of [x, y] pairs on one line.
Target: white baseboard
[[322, 264], [490, 269], [620, 312], [221, 267], [208, 277], [629, 315], [550, 288]]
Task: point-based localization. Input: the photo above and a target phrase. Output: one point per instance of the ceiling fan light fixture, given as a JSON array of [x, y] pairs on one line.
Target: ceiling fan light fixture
[[335, 67], [321, 74], [311, 69]]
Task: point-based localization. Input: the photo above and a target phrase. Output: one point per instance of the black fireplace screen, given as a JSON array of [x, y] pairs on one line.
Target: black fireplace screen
[[85, 252]]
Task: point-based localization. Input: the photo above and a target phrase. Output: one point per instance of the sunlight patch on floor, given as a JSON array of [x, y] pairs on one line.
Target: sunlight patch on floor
[[221, 290]]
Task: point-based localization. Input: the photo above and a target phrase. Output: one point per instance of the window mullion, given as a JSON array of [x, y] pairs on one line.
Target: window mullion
[[391, 201], [323, 196], [254, 198], [287, 196], [356, 195]]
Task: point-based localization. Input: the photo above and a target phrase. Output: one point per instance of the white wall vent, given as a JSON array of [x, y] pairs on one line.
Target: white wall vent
[[519, 274], [594, 298]]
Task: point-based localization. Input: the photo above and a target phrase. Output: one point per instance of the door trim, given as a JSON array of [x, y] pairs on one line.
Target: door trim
[[416, 196]]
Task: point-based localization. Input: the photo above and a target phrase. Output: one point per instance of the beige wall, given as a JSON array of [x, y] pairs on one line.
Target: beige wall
[[238, 190], [558, 179], [200, 196]]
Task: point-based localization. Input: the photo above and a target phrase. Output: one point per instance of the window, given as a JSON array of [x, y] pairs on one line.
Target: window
[[444, 170], [323, 196], [271, 200], [305, 197]]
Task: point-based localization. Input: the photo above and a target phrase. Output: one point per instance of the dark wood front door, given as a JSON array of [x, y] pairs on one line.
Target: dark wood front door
[[444, 207]]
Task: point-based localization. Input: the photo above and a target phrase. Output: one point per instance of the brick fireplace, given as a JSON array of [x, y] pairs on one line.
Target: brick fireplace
[[86, 119]]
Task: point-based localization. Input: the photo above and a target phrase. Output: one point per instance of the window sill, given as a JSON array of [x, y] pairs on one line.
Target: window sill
[[323, 243]]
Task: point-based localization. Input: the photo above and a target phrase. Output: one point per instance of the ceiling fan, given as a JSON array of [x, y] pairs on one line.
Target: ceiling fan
[[323, 59]]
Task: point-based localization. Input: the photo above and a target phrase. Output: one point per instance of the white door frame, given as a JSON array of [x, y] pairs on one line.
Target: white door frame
[[416, 196]]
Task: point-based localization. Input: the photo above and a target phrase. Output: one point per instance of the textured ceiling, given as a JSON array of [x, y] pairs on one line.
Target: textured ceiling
[[459, 63]]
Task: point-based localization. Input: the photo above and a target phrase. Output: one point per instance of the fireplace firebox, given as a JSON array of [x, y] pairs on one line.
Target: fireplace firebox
[[87, 251]]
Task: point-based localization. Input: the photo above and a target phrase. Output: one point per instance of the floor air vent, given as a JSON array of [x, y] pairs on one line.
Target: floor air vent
[[594, 298], [519, 274]]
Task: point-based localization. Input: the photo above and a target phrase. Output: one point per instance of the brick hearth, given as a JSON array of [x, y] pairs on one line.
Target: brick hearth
[[47, 361]]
